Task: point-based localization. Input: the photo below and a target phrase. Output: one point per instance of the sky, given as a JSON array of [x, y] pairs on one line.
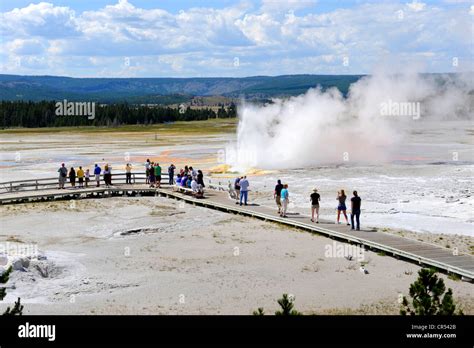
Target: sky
[[183, 38]]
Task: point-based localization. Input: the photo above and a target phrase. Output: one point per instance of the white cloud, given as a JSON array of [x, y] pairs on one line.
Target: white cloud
[[25, 46], [272, 39], [286, 5], [416, 6], [42, 19]]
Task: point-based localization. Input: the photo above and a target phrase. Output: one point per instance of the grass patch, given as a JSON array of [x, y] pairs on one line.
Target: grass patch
[[454, 277], [206, 126], [14, 239]]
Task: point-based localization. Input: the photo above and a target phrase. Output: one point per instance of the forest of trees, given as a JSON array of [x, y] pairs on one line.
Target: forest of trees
[[42, 114]]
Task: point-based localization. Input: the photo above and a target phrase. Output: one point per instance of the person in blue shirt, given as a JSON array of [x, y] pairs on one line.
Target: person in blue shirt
[[97, 171], [237, 189], [244, 190], [285, 199], [188, 183], [178, 179], [171, 170]]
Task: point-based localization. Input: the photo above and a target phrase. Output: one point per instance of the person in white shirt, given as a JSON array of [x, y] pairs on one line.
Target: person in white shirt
[[193, 172], [147, 170]]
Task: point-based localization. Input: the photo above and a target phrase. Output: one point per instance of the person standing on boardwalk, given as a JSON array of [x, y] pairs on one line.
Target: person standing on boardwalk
[[171, 170], [80, 177], [237, 189], [128, 174], [151, 177], [277, 195], [87, 175], [158, 175], [285, 200], [107, 175], [97, 171], [200, 178], [110, 174], [147, 171], [72, 177], [355, 210], [62, 175], [244, 190], [341, 198], [315, 198]]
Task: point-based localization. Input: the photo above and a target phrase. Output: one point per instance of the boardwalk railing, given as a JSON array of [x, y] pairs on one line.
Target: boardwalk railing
[[118, 178], [52, 183]]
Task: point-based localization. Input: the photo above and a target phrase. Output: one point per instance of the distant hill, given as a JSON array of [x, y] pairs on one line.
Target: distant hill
[[163, 90]]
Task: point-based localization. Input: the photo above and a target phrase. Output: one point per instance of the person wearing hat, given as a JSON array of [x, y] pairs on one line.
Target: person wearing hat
[[315, 198]]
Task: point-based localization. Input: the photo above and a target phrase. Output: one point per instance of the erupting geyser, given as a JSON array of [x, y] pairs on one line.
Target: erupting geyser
[[324, 127]]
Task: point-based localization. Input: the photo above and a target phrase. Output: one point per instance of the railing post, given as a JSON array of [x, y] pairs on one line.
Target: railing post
[[36, 185], [134, 178], [11, 187]]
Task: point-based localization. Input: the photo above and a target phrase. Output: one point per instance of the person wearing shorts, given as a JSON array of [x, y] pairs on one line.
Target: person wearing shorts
[[62, 176], [157, 169], [237, 189], [315, 198], [87, 177], [341, 198], [97, 171], [80, 177]]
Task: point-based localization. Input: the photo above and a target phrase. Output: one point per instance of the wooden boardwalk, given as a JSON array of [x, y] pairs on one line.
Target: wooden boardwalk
[[423, 253]]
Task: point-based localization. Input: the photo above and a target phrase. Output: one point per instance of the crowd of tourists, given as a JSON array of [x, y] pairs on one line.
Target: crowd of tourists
[[282, 199], [187, 177], [191, 179], [281, 195], [83, 177]]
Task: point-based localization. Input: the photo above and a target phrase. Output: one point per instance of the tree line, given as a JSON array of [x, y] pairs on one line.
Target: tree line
[[43, 114]]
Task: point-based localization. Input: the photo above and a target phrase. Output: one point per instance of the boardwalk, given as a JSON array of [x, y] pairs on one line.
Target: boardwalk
[[400, 247]]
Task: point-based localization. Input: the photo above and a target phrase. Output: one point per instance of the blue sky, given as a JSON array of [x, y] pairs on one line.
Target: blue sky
[[182, 38]]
